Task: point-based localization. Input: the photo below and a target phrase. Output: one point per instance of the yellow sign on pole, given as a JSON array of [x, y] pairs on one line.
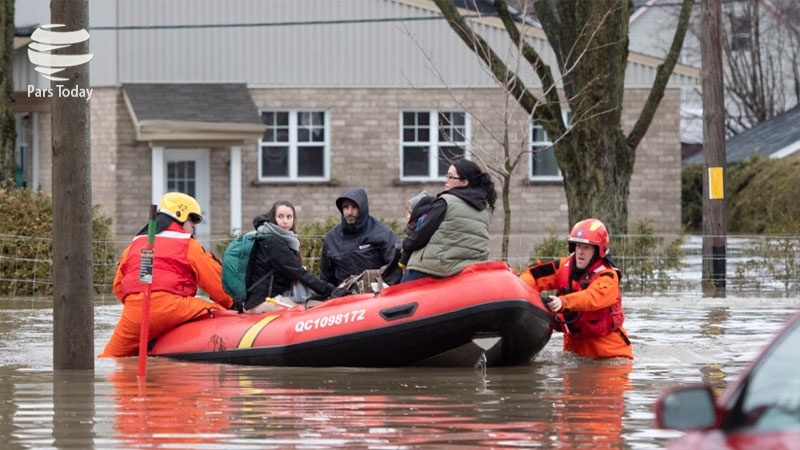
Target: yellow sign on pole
[[715, 183]]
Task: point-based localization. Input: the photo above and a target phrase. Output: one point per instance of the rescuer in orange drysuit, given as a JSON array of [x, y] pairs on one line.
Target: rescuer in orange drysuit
[[180, 264], [587, 293]]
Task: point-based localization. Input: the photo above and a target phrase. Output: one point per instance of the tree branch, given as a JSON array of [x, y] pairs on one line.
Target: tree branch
[[533, 58], [508, 79], [662, 77]]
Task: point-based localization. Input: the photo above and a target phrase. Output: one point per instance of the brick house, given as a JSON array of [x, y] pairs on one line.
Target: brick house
[[243, 103]]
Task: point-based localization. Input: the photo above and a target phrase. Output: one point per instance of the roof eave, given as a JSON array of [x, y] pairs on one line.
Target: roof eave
[[21, 41], [183, 131], [786, 151]]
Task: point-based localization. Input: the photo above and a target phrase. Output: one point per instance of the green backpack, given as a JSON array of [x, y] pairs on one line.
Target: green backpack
[[235, 260]]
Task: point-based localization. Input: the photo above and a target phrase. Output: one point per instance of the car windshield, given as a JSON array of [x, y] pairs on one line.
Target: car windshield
[[770, 397]]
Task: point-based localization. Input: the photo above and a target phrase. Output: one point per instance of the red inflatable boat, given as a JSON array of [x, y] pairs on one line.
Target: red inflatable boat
[[485, 311]]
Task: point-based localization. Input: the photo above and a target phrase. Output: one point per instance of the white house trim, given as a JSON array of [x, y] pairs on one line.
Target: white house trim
[[786, 151], [235, 172], [157, 175]]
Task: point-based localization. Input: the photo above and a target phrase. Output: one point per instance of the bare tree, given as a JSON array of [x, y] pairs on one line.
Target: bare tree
[[8, 134], [504, 164], [512, 152], [761, 49], [590, 43]]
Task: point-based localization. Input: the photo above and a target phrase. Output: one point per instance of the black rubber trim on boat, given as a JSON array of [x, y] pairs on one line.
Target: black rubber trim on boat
[[399, 312]]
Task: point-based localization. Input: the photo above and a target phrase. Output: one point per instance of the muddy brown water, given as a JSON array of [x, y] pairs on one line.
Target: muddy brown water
[[557, 401]]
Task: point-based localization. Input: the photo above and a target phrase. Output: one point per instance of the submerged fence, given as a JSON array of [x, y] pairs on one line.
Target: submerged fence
[[673, 264], [652, 265]]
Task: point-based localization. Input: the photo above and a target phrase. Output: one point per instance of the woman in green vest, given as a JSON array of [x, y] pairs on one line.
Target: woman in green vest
[[455, 230]]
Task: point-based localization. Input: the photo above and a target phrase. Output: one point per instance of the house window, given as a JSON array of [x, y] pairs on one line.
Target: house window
[[430, 141], [741, 29], [543, 157], [294, 146], [182, 177], [23, 151]]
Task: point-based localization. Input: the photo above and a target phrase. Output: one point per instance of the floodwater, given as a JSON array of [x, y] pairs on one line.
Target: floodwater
[[558, 401]]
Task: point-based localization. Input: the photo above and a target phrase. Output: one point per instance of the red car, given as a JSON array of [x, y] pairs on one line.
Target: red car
[[759, 411]]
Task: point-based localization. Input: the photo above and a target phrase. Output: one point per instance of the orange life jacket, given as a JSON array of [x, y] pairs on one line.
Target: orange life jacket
[[172, 271], [590, 323]]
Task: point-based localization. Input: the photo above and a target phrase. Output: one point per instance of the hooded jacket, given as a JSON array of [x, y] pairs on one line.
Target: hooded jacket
[[349, 249], [454, 234]]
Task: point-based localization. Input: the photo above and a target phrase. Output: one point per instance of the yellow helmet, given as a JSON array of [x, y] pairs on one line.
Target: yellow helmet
[[180, 207]]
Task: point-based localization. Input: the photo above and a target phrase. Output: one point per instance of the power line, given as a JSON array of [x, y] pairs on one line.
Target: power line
[[270, 24]]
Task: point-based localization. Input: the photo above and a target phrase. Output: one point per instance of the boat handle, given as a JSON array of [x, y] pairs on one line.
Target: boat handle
[[398, 312]]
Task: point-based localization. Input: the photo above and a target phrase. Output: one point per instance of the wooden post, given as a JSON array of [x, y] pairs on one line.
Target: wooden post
[[8, 135], [73, 299], [714, 211]]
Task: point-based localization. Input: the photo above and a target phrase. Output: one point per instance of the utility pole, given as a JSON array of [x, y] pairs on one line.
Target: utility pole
[[8, 134], [714, 212], [73, 296]]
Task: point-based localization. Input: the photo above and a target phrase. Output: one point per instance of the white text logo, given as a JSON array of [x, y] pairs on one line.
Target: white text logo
[[45, 41]]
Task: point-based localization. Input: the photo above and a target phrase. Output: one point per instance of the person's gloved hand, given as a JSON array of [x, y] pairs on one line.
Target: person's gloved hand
[[554, 304], [340, 292]]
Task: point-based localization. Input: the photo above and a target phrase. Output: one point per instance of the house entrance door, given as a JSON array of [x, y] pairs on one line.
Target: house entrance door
[[187, 171]]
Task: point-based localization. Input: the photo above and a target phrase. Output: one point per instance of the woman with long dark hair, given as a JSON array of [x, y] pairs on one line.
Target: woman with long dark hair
[[277, 263], [455, 232]]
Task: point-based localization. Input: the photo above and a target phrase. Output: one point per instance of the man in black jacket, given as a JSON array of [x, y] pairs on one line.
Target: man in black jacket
[[360, 242]]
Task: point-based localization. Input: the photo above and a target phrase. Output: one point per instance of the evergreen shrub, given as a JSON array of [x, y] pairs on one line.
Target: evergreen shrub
[[26, 250]]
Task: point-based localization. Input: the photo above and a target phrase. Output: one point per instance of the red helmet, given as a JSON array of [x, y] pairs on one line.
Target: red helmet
[[589, 231]]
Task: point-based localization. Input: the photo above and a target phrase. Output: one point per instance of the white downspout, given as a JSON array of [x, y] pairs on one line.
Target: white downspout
[[236, 190]]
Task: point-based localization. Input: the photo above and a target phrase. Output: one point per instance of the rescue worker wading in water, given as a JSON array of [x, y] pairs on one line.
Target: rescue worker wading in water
[[180, 264], [588, 293]]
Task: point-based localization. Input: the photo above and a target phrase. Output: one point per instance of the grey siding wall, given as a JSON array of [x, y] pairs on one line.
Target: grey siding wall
[[280, 42], [311, 43]]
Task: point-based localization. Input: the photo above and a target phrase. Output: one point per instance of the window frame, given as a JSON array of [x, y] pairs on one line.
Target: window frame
[[433, 143], [741, 29], [23, 150], [294, 145], [545, 145]]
